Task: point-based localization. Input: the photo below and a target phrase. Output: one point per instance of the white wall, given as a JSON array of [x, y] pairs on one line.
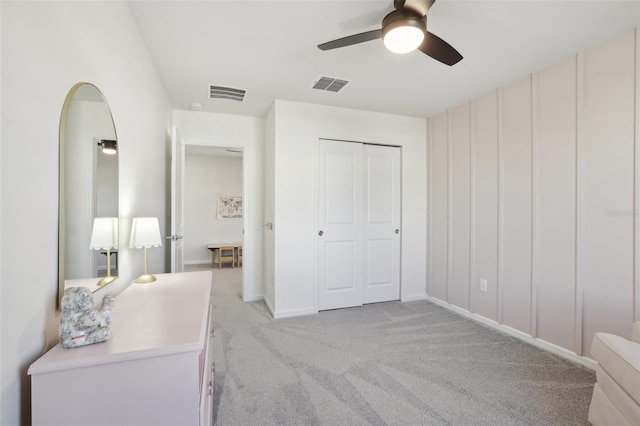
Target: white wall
[[247, 133], [47, 47], [2, 410], [206, 178], [534, 187], [297, 128], [269, 209]]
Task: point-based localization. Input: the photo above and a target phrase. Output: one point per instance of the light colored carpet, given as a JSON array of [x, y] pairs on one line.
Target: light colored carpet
[[383, 364]]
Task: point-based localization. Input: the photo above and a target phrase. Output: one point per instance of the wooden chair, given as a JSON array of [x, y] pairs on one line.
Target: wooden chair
[[226, 254], [239, 259]]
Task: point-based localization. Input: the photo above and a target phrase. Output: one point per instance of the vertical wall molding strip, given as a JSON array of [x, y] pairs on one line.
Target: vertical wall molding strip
[[500, 271], [472, 208], [636, 185], [535, 204], [579, 271], [429, 208], [449, 206]]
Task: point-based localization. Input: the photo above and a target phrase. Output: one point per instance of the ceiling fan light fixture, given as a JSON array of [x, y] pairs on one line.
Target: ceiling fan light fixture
[[403, 39], [403, 31], [109, 147]]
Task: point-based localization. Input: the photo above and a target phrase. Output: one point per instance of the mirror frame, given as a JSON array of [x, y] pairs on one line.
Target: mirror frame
[[62, 150]]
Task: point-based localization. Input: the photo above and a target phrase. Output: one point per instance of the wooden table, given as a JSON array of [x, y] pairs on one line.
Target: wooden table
[[216, 246]]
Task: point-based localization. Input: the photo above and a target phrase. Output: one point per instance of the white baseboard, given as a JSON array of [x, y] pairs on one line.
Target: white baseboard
[[197, 262], [293, 313], [542, 344], [254, 298], [266, 302], [287, 314], [414, 298]]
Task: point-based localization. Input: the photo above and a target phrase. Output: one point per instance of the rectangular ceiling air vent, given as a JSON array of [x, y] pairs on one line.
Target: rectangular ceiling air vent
[[329, 84], [219, 92]]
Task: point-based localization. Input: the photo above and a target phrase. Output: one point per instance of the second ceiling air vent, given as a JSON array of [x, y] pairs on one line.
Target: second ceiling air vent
[[220, 92], [329, 84]]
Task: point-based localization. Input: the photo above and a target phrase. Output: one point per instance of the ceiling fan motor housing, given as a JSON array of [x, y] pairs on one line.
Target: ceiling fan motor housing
[[403, 18]]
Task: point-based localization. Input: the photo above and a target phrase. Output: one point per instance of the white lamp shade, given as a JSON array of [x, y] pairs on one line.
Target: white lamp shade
[[104, 235], [145, 232], [403, 39]]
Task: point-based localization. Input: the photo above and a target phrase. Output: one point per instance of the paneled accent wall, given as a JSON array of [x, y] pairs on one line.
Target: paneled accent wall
[[438, 208], [484, 211], [606, 186], [515, 206], [554, 174], [460, 199], [534, 188]]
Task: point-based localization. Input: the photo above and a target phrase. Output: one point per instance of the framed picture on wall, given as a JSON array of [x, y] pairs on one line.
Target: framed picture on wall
[[229, 207]]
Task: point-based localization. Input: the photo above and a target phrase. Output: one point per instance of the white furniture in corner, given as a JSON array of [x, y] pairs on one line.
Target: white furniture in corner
[[155, 370], [616, 394]]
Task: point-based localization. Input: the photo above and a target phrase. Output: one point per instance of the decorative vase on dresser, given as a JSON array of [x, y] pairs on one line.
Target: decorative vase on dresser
[[156, 369]]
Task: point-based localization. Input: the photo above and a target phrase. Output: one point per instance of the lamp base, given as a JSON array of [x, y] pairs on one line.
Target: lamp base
[[106, 280], [145, 278]]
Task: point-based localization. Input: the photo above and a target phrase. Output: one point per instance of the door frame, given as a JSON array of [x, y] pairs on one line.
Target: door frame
[[316, 218], [246, 200], [176, 246]]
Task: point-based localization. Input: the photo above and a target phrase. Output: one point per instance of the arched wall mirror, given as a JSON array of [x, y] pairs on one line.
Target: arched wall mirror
[[88, 191]]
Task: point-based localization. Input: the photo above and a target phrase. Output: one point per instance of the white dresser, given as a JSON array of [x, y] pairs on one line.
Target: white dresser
[[155, 370]]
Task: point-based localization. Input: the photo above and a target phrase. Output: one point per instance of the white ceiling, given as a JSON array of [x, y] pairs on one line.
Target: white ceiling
[[269, 49]]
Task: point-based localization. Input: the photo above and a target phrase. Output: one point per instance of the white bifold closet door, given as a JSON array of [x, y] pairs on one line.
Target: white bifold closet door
[[358, 224]]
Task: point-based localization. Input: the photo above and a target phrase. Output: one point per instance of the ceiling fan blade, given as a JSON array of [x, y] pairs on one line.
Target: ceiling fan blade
[[352, 39], [439, 49], [420, 6]]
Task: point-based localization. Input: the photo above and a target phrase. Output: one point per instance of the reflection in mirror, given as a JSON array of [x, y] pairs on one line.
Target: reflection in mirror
[[88, 189], [105, 237]]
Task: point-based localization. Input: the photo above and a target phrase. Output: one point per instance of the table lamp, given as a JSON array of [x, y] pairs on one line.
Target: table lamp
[[104, 236], [145, 233]]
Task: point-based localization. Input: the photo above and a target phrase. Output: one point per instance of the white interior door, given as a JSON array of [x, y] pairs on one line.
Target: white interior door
[[340, 220], [381, 223], [177, 201], [359, 204]]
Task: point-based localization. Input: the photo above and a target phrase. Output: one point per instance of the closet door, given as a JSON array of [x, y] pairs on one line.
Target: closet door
[[381, 223], [340, 224], [358, 224]]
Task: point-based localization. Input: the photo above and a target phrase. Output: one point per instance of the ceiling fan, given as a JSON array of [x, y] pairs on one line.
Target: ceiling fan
[[405, 30]]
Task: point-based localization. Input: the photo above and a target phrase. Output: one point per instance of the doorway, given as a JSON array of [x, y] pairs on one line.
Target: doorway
[[358, 237], [214, 213]]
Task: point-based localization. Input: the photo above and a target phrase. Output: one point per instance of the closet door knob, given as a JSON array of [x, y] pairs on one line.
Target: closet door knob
[[321, 233]]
